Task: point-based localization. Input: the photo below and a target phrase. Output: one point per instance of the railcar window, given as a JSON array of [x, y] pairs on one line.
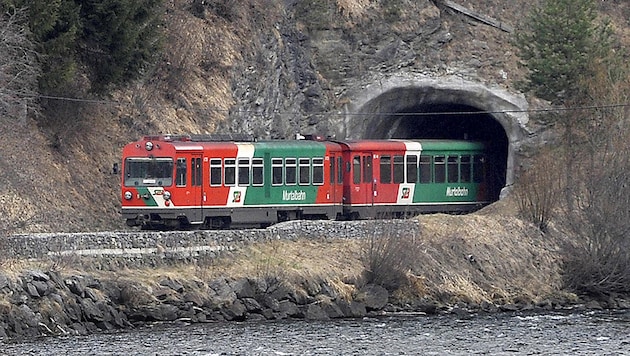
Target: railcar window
[[412, 168], [276, 168], [180, 172], [258, 170], [318, 171], [356, 167], [304, 170], [464, 169], [399, 169], [453, 169], [216, 174], [439, 168], [339, 170], [230, 172], [386, 169], [290, 173], [243, 171], [148, 172], [367, 169], [479, 162], [425, 169]]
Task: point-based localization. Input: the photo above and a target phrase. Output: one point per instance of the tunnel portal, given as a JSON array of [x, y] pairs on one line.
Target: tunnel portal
[[442, 110]]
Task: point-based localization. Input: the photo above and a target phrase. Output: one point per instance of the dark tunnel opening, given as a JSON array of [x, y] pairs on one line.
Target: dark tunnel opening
[[449, 121]]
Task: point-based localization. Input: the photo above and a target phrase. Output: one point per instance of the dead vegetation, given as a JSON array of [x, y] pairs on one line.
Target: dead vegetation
[[486, 257]]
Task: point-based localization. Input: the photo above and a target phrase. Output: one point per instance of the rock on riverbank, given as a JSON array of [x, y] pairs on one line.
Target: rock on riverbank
[[47, 303], [38, 303]]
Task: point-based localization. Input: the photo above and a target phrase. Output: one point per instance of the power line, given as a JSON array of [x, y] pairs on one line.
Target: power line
[[419, 113]]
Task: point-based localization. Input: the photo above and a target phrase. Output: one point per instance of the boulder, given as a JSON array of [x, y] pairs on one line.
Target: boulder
[[287, 308], [234, 311], [374, 297], [251, 305], [91, 310], [243, 288], [352, 309], [223, 291], [314, 312], [172, 284]]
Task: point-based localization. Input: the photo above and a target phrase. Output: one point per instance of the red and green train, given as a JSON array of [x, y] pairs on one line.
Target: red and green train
[[184, 181]]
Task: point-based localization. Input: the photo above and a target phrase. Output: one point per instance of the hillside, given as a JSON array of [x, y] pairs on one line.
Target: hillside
[[269, 68]]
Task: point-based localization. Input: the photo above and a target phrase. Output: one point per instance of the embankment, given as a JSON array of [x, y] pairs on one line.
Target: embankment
[[68, 284]]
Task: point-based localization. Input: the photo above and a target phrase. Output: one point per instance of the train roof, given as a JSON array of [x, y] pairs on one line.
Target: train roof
[[417, 144], [199, 142]]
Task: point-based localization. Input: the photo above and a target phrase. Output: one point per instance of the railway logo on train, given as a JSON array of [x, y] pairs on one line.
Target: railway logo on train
[[210, 182]]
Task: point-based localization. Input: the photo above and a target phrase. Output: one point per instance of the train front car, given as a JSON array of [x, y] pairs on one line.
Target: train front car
[[154, 192], [396, 178], [172, 182]]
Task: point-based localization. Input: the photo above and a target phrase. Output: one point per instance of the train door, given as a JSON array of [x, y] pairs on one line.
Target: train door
[[336, 177], [363, 179], [196, 193]]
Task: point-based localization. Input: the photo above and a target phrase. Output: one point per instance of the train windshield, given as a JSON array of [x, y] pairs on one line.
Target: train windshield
[[148, 172]]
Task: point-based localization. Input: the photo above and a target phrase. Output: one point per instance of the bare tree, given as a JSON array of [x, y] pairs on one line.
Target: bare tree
[[19, 69], [598, 259]]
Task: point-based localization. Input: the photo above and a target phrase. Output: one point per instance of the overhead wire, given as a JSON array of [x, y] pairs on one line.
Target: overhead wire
[[346, 113]]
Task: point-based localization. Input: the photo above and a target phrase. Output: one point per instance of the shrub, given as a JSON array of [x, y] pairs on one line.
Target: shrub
[[538, 190], [598, 257], [387, 258]]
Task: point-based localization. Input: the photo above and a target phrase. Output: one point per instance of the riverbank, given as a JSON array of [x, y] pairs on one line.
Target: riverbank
[[483, 262]]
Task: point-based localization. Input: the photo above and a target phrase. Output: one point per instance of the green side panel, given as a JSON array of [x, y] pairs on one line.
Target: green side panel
[[447, 146], [448, 192], [445, 192], [143, 191], [284, 194]]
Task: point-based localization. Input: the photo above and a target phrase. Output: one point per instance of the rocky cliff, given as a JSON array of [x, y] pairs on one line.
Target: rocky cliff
[[266, 67]]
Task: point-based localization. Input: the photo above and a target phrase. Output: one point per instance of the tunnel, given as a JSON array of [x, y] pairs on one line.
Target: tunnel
[[439, 109]]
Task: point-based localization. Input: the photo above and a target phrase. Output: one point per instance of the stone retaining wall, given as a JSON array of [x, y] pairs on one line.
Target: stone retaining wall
[[185, 244]]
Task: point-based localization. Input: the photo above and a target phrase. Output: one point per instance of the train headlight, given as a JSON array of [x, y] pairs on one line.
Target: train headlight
[[167, 195], [148, 145], [128, 195]]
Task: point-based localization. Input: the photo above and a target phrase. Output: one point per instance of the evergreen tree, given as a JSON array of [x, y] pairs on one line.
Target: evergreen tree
[[561, 41], [55, 27], [120, 37], [113, 40]]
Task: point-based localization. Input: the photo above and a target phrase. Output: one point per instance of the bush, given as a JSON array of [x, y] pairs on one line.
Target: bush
[[598, 258], [387, 258], [537, 190], [598, 213]]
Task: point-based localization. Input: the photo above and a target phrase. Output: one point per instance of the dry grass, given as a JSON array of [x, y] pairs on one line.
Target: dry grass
[[481, 257], [488, 258]]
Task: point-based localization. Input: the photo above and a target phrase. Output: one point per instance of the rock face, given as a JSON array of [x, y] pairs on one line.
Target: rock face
[[365, 65]]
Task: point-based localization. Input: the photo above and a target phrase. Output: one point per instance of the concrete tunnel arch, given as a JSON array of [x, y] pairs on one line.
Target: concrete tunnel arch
[[445, 108]]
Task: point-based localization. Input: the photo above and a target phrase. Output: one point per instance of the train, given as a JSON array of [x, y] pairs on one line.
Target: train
[[212, 182]]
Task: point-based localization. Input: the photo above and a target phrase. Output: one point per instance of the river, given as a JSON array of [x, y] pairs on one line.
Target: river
[[583, 333]]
